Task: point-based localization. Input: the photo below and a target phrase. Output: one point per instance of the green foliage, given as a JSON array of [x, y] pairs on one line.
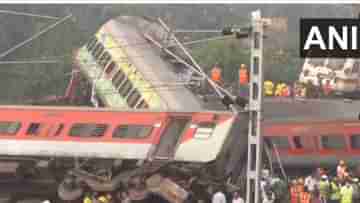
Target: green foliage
[[228, 54], [31, 81]]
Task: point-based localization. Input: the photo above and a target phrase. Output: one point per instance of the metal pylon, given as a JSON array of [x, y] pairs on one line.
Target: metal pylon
[[254, 163]]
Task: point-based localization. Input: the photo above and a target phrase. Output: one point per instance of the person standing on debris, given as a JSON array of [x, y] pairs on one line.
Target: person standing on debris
[[324, 189], [335, 191], [243, 80], [237, 199], [219, 196], [346, 193], [216, 74]]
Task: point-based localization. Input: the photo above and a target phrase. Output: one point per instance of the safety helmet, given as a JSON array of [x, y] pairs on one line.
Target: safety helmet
[[242, 66]]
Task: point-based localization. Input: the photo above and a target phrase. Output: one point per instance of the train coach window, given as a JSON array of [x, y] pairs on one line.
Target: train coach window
[[99, 51], [204, 130], [297, 142], [118, 78], [88, 130], [125, 88], [142, 105], [132, 131], [104, 59], [110, 67], [91, 43], [332, 142], [9, 127], [133, 98], [355, 141], [279, 141]]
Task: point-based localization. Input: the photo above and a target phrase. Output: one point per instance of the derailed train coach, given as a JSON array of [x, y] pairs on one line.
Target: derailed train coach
[[124, 144], [127, 70]]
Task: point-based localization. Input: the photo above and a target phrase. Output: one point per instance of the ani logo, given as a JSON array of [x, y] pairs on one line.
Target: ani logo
[[329, 38]]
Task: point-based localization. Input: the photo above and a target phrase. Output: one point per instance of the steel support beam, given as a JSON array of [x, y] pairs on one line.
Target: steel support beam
[[254, 163]]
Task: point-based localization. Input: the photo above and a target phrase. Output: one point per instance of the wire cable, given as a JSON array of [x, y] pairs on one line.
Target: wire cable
[[28, 14]]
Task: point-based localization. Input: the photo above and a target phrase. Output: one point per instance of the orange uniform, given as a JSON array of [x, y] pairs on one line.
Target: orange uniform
[[305, 197], [294, 194], [216, 74], [243, 76]]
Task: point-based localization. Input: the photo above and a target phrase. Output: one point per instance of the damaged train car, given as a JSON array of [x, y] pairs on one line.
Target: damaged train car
[[112, 147]]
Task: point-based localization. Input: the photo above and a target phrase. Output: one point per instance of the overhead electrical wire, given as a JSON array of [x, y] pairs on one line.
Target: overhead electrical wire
[[28, 14]]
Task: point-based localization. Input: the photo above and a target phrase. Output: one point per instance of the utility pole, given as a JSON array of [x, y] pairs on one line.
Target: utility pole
[[254, 162], [255, 32]]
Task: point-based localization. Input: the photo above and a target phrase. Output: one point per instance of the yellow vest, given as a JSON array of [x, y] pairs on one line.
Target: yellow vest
[[268, 86], [87, 200], [346, 194]]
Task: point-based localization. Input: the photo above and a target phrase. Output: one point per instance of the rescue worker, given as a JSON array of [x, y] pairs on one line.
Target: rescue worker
[[356, 190], [341, 170], [87, 198], [310, 183], [268, 195], [335, 191], [219, 196], [243, 80], [300, 185], [285, 92], [216, 74], [346, 193], [310, 90], [303, 91], [104, 198], [327, 89], [279, 88], [269, 88], [305, 196], [237, 199], [324, 189], [294, 195]]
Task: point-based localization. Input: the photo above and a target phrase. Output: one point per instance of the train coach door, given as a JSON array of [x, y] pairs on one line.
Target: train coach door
[[170, 137]]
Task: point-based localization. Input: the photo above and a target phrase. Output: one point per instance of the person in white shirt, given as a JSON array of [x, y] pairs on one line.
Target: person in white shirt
[[219, 197], [311, 183], [237, 198]]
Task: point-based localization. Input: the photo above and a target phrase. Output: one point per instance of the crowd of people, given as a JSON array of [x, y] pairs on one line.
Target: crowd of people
[[320, 187], [279, 89]]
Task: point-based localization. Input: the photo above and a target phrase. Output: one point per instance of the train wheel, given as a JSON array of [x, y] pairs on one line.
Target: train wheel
[[69, 190]]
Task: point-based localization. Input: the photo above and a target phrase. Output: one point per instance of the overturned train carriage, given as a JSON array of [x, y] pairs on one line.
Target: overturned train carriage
[[127, 70]]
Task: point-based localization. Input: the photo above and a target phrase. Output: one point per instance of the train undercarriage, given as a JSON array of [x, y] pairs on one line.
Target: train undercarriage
[[172, 181]]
